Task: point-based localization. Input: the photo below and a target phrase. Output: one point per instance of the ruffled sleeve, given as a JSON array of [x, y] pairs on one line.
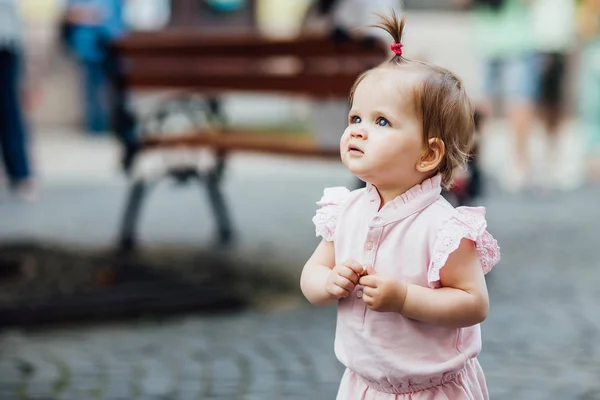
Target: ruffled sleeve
[[469, 223], [330, 207]]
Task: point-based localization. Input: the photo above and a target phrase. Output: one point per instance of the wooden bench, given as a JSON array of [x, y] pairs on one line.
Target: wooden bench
[[189, 62]]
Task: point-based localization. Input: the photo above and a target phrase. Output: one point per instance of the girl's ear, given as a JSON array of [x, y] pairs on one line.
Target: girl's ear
[[432, 156]]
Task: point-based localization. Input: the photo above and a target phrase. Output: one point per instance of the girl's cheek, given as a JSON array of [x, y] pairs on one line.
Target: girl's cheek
[[345, 136]]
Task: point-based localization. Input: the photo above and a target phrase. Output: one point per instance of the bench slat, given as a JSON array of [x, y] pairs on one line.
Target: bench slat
[[304, 84], [196, 44], [240, 141]]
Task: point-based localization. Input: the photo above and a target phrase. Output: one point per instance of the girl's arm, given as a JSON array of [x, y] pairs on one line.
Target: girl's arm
[[461, 301], [315, 274]]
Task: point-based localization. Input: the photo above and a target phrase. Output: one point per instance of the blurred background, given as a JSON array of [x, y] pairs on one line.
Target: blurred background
[[162, 160]]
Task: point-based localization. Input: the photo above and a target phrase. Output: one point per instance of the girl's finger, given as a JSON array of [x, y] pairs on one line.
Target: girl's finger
[[369, 291], [344, 283], [368, 280], [349, 274], [368, 300]]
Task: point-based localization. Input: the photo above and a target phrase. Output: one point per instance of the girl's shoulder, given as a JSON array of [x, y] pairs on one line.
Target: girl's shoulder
[[449, 226], [330, 206], [335, 198]]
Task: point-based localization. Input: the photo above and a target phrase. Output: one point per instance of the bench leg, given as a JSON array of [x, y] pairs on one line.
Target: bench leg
[[137, 193], [217, 202], [215, 111]]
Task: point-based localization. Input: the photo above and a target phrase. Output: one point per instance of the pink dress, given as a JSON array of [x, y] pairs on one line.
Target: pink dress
[[388, 356]]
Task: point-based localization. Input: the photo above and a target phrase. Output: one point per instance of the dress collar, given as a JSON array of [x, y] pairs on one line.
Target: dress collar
[[413, 200]]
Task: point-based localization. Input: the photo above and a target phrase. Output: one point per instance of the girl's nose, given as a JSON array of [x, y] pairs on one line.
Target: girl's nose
[[359, 133]]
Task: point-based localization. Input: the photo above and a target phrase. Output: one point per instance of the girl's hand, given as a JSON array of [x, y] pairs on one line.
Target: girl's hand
[[343, 278], [383, 293]]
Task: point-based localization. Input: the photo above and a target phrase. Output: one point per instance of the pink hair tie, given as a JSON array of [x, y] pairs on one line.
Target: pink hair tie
[[397, 48]]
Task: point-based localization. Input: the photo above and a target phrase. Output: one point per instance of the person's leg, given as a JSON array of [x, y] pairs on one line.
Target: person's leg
[[521, 91], [551, 111], [520, 119], [13, 136], [551, 96], [491, 87], [96, 116]]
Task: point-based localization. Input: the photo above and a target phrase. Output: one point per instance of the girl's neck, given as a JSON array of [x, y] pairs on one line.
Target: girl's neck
[[387, 194]]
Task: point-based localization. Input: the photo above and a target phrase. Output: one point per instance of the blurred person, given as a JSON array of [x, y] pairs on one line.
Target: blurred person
[[13, 127], [504, 36], [89, 25], [554, 35], [405, 267]]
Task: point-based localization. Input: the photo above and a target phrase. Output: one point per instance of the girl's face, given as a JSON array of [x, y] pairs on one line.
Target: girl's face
[[383, 143]]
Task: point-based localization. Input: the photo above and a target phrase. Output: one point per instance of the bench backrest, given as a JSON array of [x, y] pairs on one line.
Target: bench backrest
[[316, 66]]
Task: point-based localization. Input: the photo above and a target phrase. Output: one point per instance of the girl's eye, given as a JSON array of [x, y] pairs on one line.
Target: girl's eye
[[355, 120], [382, 122]]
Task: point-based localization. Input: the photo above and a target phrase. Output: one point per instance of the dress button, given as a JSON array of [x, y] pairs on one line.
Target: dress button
[[369, 245], [359, 294]]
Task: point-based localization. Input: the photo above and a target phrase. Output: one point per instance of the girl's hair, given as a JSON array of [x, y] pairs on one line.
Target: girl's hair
[[441, 103]]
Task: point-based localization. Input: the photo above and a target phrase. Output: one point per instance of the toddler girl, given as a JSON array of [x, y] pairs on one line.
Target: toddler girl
[[406, 268]]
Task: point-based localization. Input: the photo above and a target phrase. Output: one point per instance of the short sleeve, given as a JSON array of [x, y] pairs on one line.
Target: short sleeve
[[330, 207], [468, 223]]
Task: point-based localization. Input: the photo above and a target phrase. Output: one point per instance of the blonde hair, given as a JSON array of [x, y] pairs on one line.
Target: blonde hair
[[441, 103]]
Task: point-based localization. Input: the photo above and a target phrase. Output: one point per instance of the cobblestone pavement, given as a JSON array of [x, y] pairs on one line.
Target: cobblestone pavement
[[541, 340]]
